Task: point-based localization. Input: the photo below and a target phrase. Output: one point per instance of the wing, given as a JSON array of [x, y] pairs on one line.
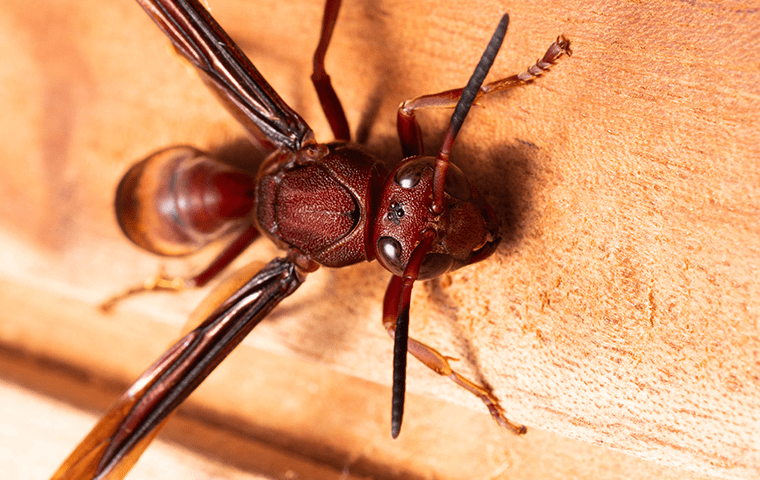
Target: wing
[[117, 441], [228, 73]]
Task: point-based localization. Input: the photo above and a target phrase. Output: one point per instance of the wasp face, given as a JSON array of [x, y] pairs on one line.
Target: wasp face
[[466, 230]]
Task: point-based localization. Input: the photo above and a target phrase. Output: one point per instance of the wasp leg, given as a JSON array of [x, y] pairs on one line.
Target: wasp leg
[[164, 283], [439, 363], [406, 121]]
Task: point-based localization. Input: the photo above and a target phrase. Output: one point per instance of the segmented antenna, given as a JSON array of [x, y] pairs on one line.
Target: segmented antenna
[[463, 107], [401, 336]]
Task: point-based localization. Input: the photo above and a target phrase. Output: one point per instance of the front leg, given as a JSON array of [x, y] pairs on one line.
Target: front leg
[[406, 121], [439, 363]]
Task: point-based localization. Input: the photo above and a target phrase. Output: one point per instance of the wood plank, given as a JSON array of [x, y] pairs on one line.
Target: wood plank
[[621, 308]]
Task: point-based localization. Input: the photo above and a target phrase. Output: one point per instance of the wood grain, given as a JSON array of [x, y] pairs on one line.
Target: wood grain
[[622, 307]]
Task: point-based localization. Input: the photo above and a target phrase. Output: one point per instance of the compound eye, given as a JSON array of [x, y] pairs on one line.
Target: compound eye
[[409, 174], [389, 253], [435, 265], [457, 184]]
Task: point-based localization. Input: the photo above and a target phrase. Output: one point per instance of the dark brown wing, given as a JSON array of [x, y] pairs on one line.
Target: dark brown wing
[[119, 438], [228, 73]]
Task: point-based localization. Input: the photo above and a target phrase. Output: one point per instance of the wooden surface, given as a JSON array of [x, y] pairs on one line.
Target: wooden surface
[[620, 310], [38, 431]]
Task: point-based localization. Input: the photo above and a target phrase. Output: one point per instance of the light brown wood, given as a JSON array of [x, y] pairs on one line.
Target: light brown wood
[[259, 413], [620, 310]]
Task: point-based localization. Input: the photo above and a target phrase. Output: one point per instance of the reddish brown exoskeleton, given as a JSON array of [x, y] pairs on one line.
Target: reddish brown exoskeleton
[[326, 204]]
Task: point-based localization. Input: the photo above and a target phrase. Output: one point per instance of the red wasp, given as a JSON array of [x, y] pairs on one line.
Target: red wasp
[[327, 205]]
